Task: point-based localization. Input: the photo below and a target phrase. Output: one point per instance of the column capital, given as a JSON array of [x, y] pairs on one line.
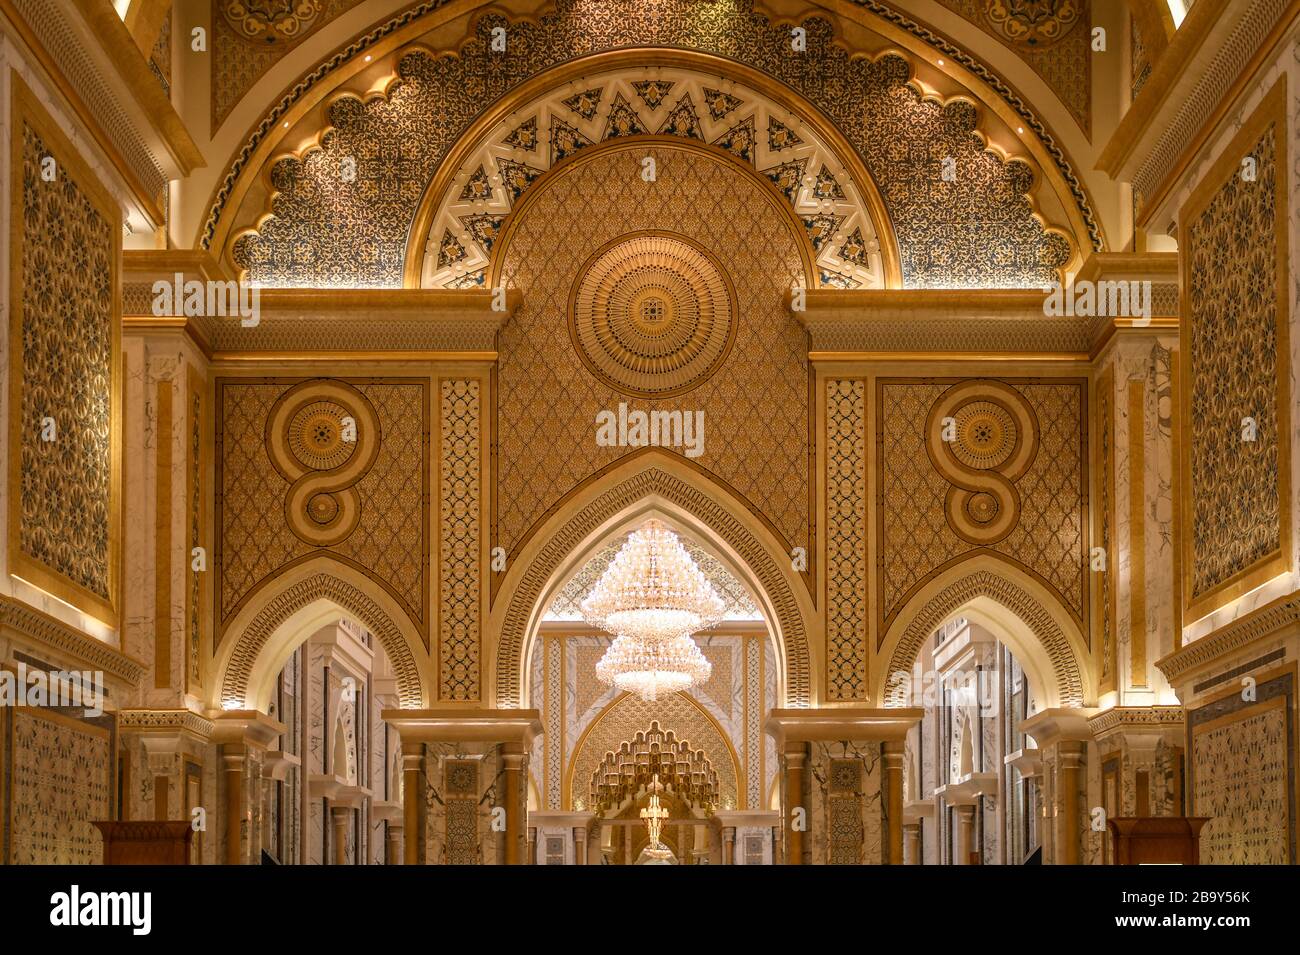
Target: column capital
[[516, 727], [251, 728], [827, 724], [1059, 723]]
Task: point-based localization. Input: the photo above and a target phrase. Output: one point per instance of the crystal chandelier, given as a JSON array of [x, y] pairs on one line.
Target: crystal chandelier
[[652, 597], [652, 590], [648, 669]]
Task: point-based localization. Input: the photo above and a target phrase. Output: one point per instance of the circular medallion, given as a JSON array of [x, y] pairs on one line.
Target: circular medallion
[[316, 436], [986, 435], [652, 314]]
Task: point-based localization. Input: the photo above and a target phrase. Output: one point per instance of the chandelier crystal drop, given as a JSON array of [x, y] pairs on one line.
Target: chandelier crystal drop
[[649, 669], [652, 590]]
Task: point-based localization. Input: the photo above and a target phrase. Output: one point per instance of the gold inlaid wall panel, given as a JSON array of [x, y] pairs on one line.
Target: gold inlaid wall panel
[[1010, 482], [65, 379], [460, 464], [755, 408], [846, 539], [291, 487], [1236, 492]]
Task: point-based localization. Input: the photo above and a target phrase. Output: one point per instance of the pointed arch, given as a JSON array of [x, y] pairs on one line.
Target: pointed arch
[[309, 596], [652, 483], [1039, 630]]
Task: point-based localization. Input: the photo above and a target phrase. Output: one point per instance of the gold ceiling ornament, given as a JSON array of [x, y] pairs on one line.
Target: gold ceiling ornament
[[654, 759], [652, 591], [1033, 23], [652, 314], [271, 21]]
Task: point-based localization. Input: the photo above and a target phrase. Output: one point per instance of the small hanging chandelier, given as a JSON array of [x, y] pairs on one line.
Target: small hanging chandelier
[[652, 597], [648, 669]]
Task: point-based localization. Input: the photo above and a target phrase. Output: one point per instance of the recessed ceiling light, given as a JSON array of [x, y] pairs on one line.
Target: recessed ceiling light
[[941, 62], [1020, 130], [367, 57]]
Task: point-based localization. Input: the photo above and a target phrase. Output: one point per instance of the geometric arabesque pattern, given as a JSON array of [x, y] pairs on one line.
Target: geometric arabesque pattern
[[974, 228]]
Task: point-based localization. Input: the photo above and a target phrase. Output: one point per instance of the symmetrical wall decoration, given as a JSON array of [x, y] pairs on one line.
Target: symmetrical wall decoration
[[678, 493], [1010, 480], [975, 231], [846, 805], [982, 436], [57, 775], [461, 791], [460, 463], [64, 368], [1235, 447], [306, 467], [754, 411], [843, 216], [1242, 774], [652, 315], [846, 544]]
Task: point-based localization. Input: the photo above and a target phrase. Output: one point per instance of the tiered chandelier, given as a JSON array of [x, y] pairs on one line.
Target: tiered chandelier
[[652, 597]]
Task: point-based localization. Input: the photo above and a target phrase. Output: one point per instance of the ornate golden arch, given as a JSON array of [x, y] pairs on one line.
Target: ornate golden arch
[[967, 585], [321, 584], [622, 491]]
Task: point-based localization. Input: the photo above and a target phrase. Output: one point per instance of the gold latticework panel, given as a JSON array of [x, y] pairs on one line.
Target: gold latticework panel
[[916, 534], [63, 368], [756, 413], [846, 544], [1236, 319], [459, 502]]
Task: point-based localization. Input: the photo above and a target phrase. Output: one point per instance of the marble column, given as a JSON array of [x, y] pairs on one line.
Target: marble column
[[340, 816], [1069, 768], [579, 845], [513, 762], [532, 846], [244, 736], [413, 809], [893, 755], [796, 756], [965, 833], [393, 853], [912, 843], [728, 845], [232, 771]]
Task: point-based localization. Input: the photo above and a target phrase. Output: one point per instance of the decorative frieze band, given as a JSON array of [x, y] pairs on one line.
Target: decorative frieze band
[[82, 648]]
